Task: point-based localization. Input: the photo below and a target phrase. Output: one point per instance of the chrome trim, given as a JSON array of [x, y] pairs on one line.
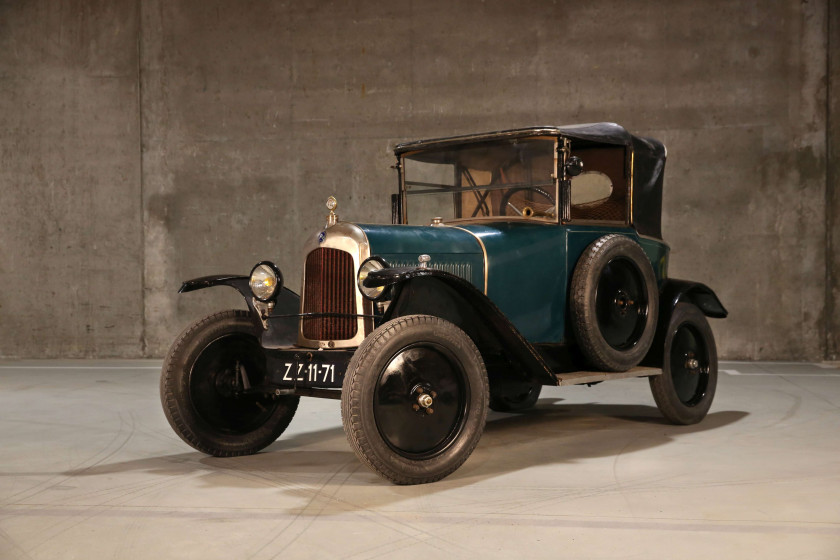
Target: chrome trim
[[264, 309], [351, 239], [332, 217], [483, 219], [564, 182], [483, 250]]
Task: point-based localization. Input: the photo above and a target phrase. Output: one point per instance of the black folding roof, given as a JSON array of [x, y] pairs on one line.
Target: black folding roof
[[648, 160]]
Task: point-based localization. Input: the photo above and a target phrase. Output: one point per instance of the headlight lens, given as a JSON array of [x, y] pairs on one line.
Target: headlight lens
[[367, 267], [265, 281]]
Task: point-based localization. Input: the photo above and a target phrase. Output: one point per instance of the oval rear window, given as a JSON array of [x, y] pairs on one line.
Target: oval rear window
[[590, 186]]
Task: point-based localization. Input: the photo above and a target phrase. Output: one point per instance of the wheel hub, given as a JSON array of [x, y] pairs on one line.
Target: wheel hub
[[420, 400], [217, 382], [425, 399], [225, 382], [692, 364], [623, 302]]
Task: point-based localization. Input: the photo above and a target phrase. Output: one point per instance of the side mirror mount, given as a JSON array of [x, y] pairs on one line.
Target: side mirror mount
[[574, 167]]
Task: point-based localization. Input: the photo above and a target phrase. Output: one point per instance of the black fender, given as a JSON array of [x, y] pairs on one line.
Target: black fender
[[287, 302], [429, 291], [671, 293], [675, 291], [239, 283]]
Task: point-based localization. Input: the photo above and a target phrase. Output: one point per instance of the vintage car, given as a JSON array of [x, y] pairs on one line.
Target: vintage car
[[514, 259]]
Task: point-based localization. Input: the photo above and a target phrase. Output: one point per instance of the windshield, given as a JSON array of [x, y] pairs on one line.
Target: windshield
[[510, 178]]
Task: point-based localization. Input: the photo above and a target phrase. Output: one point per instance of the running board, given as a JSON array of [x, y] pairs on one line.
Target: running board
[[583, 377]]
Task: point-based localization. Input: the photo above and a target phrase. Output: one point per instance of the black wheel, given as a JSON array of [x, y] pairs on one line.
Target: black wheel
[[202, 388], [686, 387], [414, 399], [513, 396], [615, 303], [505, 204]]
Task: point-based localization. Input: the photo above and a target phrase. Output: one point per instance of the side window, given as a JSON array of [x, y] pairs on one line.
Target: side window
[[600, 193], [590, 186]]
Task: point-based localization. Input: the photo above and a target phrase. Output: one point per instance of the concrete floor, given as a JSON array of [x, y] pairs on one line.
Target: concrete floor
[[90, 469]]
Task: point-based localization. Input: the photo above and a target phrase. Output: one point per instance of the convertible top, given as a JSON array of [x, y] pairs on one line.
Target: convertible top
[[646, 154]]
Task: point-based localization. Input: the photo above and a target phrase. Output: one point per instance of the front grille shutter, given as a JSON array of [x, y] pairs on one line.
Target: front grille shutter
[[330, 288]]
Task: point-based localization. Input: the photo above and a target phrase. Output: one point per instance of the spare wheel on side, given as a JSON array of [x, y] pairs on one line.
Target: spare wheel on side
[[614, 303]]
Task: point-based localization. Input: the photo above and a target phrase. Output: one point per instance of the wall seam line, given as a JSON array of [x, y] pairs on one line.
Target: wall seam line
[[143, 334], [828, 308]]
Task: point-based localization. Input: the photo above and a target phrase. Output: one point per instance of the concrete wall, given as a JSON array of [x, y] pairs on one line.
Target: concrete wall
[[71, 238], [145, 142]]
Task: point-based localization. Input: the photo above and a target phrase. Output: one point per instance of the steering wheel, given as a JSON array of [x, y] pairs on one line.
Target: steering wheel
[[525, 211]]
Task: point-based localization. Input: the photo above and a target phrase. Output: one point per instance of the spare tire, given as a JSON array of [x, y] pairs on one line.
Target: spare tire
[[614, 303]]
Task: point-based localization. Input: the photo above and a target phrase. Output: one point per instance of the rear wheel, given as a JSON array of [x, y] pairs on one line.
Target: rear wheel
[[414, 399], [686, 387], [203, 388]]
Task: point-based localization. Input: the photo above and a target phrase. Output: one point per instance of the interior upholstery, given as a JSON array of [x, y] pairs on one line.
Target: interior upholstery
[[609, 160]]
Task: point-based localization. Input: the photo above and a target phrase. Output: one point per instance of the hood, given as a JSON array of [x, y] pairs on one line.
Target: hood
[[451, 249]]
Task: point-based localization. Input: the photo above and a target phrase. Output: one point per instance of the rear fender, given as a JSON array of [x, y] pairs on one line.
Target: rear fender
[[680, 291]]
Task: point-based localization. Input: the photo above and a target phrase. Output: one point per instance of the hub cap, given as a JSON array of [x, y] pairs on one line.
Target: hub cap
[[689, 365], [420, 400], [621, 305], [216, 382]]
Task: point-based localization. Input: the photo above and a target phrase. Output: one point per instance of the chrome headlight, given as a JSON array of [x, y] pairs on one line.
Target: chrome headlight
[[266, 280], [371, 264]]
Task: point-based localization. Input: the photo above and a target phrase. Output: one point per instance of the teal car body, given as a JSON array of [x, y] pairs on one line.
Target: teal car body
[[524, 268]]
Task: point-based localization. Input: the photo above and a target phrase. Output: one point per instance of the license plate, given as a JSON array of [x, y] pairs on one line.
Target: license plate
[[311, 374], [323, 369]]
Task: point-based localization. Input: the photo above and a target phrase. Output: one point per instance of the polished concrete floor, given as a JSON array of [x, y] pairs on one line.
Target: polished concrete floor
[[90, 469]]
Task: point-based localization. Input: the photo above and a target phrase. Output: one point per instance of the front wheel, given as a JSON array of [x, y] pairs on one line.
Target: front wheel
[[686, 387], [414, 399], [204, 382]]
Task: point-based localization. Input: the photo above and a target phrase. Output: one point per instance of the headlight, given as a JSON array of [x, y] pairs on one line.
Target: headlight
[[265, 281], [371, 264]]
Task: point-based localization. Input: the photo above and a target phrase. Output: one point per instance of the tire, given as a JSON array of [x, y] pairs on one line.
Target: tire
[[199, 384], [513, 396], [685, 390], [396, 367], [615, 303]]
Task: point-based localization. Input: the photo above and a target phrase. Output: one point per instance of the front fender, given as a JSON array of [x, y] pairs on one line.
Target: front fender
[[429, 291], [287, 301], [240, 283]]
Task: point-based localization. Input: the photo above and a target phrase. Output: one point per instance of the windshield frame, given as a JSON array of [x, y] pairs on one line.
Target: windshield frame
[[555, 178]]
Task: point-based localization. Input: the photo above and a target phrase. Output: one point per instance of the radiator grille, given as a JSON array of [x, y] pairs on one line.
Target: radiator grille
[[330, 288]]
